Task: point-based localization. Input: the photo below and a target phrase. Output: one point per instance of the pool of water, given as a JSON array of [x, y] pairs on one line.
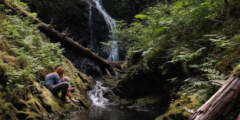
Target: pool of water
[[102, 109], [99, 113]]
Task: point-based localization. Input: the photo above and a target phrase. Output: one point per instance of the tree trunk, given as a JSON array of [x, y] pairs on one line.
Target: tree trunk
[[217, 105], [64, 39]]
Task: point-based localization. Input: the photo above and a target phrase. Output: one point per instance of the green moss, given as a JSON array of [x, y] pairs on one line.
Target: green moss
[[147, 101], [26, 56], [176, 109]]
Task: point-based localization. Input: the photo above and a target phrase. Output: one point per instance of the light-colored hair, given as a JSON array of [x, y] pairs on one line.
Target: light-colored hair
[[66, 78]]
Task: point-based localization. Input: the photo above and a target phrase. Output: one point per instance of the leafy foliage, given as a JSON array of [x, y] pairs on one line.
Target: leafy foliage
[[27, 51], [195, 33], [178, 22]]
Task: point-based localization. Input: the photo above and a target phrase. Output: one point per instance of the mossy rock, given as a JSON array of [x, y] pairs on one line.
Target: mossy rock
[[177, 111]]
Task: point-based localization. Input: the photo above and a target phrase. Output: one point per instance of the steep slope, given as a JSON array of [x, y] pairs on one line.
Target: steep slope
[[26, 56]]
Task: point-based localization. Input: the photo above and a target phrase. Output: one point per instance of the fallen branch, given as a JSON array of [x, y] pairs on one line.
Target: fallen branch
[[220, 102], [117, 64], [64, 39]]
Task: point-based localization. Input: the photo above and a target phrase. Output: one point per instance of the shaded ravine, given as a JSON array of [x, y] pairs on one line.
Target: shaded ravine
[[96, 95], [101, 108]]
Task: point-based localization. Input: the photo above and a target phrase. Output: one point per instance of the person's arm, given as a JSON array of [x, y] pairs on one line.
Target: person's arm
[[69, 95], [48, 79], [71, 88], [57, 78]]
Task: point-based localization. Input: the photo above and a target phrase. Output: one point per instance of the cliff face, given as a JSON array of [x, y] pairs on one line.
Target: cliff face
[[26, 56]]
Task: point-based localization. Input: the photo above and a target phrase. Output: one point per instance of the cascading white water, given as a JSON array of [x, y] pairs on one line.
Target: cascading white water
[[113, 50], [113, 56], [96, 95], [110, 22], [92, 43]]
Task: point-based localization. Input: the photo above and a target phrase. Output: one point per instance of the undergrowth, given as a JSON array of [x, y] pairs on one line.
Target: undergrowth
[[25, 54], [200, 34]]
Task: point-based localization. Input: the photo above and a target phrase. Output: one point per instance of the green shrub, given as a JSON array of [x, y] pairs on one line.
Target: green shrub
[[32, 54]]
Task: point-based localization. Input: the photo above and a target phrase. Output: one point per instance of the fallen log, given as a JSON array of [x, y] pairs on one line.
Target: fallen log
[[63, 38], [117, 64], [220, 102]]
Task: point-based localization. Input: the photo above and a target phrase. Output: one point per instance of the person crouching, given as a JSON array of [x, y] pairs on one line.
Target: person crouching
[[55, 85]]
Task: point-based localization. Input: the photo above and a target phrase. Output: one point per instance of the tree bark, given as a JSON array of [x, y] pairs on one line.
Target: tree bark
[[217, 105], [64, 39]]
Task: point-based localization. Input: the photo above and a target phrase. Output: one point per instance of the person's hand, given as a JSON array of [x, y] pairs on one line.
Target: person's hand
[[71, 88], [75, 101], [68, 101]]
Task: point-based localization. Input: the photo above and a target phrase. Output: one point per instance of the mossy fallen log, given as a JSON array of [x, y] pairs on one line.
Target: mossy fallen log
[[221, 101], [63, 38]]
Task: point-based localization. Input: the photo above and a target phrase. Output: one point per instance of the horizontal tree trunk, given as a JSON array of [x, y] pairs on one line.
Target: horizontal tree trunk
[[220, 102], [64, 39]]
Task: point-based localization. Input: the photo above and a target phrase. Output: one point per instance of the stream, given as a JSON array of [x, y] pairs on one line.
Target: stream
[[98, 113], [101, 108]]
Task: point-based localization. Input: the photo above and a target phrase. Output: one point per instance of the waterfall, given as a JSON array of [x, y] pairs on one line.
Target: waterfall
[[110, 22], [96, 95], [92, 43], [113, 49]]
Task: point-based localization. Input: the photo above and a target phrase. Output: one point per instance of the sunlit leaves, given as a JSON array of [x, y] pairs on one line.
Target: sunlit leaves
[[141, 16]]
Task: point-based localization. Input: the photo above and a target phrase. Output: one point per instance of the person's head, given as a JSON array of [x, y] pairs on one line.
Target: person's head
[[60, 71], [66, 79]]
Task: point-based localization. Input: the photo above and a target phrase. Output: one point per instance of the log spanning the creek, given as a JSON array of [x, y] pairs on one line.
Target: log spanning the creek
[[221, 101], [64, 39]]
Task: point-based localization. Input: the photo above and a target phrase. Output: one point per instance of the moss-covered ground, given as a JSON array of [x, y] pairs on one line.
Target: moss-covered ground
[[26, 56]]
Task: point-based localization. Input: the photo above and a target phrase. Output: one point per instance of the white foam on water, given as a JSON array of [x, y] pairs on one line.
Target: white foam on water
[[97, 95]]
